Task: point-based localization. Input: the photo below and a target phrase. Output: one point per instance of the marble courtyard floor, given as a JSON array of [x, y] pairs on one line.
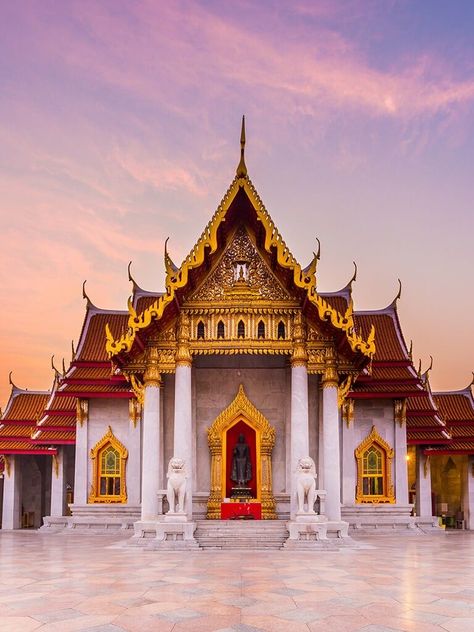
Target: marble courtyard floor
[[80, 582]]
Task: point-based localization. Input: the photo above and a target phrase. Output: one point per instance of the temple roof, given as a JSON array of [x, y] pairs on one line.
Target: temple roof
[[19, 420], [457, 409], [241, 205]]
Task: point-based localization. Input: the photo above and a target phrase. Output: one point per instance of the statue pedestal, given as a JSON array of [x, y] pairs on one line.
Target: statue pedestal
[[314, 531], [175, 534], [305, 516], [176, 517]]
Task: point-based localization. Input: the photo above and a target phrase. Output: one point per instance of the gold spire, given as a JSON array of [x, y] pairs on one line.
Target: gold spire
[[242, 169]]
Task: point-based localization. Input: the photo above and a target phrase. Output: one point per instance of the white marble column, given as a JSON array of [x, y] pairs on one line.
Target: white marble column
[[299, 431], [183, 417], [58, 483], [401, 464], [183, 438], [468, 495], [151, 439], [349, 472], [134, 453], [332, 461], [81, 467], [11, 514], [423, 484]]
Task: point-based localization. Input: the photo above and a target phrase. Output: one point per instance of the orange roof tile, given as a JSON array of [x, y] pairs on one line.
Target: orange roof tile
[[25, 405], [91, 345], [389, 341], [456, 406]]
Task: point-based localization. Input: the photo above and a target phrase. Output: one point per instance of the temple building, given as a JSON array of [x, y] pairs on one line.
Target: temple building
[[240, 392]]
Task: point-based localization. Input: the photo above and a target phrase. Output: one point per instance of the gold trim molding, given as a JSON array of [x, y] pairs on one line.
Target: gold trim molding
[[375, 439], [241, 408], [94, 495]]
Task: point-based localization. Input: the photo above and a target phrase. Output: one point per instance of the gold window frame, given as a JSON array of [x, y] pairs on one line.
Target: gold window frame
[[109, 439], [374, 439]]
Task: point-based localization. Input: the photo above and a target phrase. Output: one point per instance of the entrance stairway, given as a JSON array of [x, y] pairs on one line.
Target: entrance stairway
[[241, 534]]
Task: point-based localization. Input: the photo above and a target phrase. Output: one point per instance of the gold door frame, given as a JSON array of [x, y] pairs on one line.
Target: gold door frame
[[241, 409]]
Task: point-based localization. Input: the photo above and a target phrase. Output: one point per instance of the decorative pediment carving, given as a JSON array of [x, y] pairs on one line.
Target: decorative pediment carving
[[241, 273]]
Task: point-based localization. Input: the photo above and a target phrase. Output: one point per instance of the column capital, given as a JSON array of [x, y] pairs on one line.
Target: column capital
[[183, 355], [299, 356], [152, 375], [330, 376], [82, 411], [400, 409]]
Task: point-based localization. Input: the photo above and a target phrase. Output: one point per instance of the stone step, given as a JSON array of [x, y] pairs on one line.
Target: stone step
[[239, 534]]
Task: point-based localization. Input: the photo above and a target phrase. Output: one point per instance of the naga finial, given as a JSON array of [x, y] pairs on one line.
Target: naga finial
[[85, 296], [318, 254], [393, 304], [170, 267], [242, 168], [10, 381], [73, 351], [354, 276], [410, 350]]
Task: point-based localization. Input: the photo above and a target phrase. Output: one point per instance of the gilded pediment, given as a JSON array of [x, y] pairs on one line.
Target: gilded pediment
[[241, 274]]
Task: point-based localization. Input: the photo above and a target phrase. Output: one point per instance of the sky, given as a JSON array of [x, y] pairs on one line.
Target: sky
[[120, 125]]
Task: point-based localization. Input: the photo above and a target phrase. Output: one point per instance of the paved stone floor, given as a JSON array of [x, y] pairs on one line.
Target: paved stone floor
[[71, 582]]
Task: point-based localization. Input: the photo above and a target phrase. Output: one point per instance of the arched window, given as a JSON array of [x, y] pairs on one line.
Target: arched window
[[220, 329], [281, 330], [374, 464], [109, 475], [261, 329], [241, 329], [108, 470], [200, 330]]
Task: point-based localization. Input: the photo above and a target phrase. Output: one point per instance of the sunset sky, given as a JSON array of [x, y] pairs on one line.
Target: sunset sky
[[119, 127]]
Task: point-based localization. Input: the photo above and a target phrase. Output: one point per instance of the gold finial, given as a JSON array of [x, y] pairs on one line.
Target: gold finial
[[73, 355], [242, 169]]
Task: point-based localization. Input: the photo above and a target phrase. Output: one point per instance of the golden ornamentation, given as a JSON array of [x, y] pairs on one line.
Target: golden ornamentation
[[400, 411], [152, 376], [387, 455], [183, 356], [273, 243], [109, 439], [348, 411], [299, 357], [6, 461], [82, 411], [241, 409], [221, 284], [331, 377], [138, 388], [135, 410], [344, 389]]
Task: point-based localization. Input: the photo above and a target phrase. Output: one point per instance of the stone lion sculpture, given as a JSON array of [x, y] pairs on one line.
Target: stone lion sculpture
[[176, 488], [306, 484]]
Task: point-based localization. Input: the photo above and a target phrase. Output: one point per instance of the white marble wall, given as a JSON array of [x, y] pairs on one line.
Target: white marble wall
[[367, 413], [115, 413]]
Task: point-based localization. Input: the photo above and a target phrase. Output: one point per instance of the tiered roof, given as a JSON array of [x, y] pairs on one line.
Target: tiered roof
[[19, 421], [90, 373], [457, 408]]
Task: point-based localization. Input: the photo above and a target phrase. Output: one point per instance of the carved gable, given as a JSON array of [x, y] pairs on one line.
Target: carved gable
[[242, 273]]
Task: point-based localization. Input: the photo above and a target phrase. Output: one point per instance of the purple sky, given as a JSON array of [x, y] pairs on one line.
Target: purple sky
[[119, 126]]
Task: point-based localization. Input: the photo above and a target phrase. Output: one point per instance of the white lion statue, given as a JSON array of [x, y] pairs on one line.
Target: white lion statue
[[306, 484], [176, 488]]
